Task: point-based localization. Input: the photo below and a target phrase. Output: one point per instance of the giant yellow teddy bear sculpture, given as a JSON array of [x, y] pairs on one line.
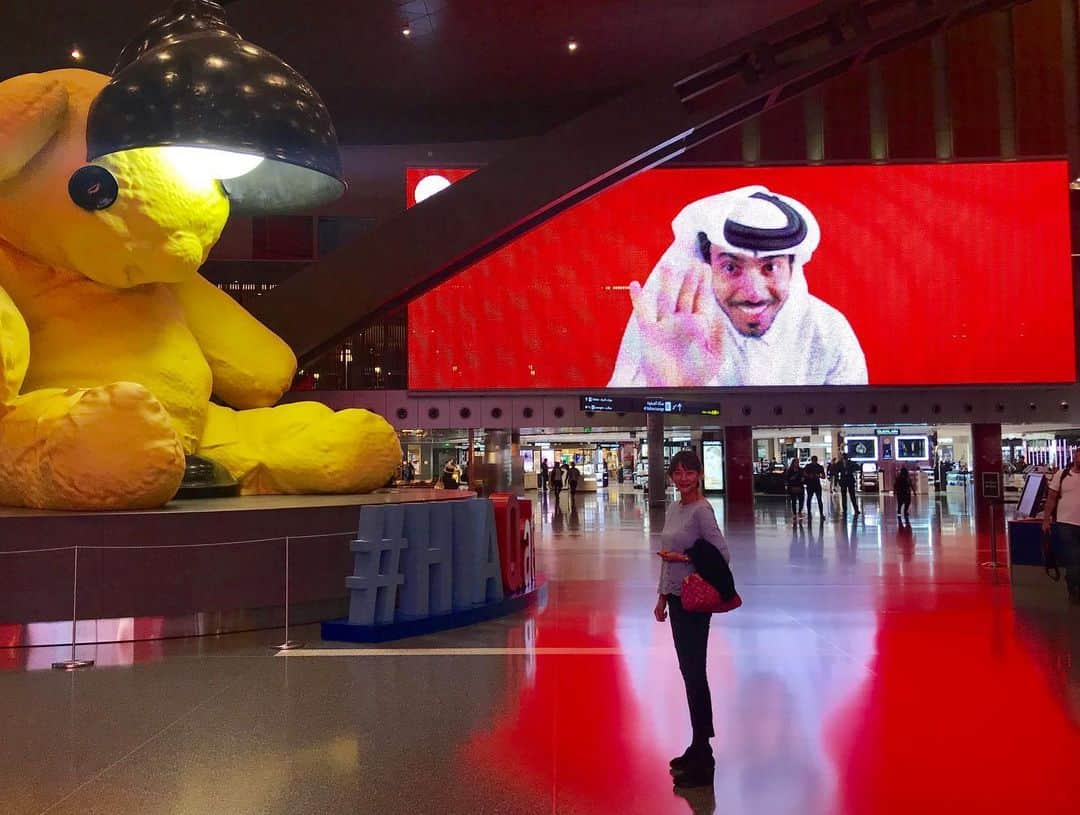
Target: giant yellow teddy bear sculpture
[[111, 343]]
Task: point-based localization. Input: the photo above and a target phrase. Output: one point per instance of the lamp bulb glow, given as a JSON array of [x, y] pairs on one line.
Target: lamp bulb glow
[[205, 162], [429, 185]]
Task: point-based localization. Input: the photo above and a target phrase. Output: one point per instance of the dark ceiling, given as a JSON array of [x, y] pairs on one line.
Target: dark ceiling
[[470, 69]]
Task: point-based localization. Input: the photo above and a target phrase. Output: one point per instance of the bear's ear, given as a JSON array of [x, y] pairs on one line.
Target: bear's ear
[[32, 108]]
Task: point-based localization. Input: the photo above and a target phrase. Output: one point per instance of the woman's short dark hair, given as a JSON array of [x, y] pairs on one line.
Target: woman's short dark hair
[[687, 459]]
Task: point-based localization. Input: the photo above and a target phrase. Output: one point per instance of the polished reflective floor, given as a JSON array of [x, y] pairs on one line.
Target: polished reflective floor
[[874, 667]]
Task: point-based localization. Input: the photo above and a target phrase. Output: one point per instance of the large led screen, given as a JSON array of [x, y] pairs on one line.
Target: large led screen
[[773, 276]]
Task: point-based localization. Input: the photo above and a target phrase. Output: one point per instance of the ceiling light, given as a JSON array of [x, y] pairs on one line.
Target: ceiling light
[[273, 148], [201, 162], [76, 54], [406, 31], [428, 186], [571, 46]]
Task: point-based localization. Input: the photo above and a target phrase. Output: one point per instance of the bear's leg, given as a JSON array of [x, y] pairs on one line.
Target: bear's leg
[[14, 348], [303, 447], [104, 448]]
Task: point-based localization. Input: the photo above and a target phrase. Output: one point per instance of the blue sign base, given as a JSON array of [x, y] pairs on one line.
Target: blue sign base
[[341, 631]]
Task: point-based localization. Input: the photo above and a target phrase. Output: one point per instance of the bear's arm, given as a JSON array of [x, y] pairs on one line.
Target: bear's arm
[[14, 336], [252, 366]]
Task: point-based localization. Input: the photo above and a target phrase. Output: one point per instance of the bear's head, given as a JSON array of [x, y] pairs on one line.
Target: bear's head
[[162, 223]]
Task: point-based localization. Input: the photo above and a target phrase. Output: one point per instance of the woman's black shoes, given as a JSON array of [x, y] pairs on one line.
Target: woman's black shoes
[[694, 768], [690, 757], [680, 763], [697, 774]]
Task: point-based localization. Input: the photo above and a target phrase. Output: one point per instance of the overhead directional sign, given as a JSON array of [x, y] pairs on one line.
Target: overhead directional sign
[[631, 404]]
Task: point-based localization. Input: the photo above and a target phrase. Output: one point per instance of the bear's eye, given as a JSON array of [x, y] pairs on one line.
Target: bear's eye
[[93, 188]]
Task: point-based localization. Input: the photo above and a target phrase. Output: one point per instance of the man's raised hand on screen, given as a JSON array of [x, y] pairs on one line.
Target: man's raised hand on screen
[[680, 326]]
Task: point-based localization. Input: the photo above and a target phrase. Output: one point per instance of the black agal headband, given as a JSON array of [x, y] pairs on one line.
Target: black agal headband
[[762, 239]]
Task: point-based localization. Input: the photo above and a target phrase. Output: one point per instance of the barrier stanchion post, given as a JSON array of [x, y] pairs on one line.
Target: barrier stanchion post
[[993, 492], [288, 644], [74, 664], [993, 562]]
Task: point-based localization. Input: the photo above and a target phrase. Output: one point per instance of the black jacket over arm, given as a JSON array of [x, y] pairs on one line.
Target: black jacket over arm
[[710, 564]]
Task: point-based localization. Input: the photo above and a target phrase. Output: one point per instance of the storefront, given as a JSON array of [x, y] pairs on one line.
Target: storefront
[[610, 458], [598, 461], [430, 450], [878, 452], [617, 458]]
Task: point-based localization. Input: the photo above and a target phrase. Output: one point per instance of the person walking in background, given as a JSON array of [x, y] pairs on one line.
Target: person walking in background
[[941, 473], [795, 482], [849, 471], [543, 475], [832, 470], [902, 489], [556, 480], [573, 479], [812, 474], [688, 521], [449, 476], [1062, 517]]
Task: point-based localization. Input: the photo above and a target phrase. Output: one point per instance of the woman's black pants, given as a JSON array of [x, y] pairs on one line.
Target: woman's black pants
[[690, 630], [796, 499]]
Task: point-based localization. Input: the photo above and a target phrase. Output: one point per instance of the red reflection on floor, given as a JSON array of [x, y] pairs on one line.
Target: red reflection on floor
[[936, 699], [958, 716], [576, 732]]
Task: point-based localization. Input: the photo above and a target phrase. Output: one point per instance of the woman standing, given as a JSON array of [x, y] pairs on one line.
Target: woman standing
[[689, 520], [902, 489], [795, 481]]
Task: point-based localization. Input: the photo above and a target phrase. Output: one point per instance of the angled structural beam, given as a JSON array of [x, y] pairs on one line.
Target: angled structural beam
[[420, 248], [414, 251]]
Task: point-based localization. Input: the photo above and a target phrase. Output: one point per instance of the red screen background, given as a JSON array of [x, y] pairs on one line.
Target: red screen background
[[948, 274]]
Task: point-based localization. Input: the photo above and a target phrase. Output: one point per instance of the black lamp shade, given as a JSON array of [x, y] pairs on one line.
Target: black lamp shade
[[190, 80]]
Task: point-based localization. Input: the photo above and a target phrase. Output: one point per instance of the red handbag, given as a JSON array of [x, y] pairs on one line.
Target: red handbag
[[699, 596]]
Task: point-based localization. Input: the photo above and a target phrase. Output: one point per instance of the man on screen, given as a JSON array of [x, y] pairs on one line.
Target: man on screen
[[728, 304]]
